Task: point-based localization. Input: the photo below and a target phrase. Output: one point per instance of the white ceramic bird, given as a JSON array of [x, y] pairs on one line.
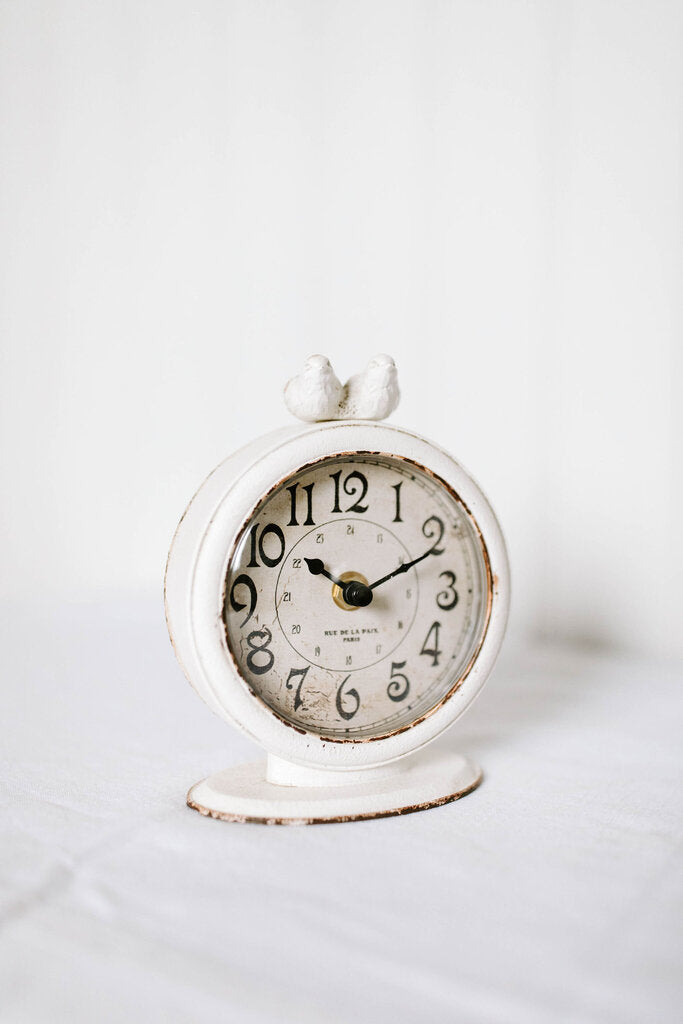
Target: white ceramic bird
[[315, 393], [372, 394]]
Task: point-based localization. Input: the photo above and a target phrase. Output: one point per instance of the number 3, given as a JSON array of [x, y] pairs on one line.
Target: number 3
[[448, 598]]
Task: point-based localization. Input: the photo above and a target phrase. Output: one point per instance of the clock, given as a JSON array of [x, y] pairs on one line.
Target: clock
[[338, 590]]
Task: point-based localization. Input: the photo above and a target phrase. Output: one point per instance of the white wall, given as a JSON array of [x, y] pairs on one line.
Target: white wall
[[197, 195]]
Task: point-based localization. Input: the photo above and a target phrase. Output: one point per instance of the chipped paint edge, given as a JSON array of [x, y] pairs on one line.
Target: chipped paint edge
[[245, 819]]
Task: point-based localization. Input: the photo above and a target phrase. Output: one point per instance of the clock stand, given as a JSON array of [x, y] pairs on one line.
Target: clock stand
[[278, 792]]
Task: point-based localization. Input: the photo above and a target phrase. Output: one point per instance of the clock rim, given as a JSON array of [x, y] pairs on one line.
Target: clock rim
[[246, 525], [215, 520]]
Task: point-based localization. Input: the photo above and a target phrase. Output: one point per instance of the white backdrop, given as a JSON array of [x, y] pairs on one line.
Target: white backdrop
[[196, 196]]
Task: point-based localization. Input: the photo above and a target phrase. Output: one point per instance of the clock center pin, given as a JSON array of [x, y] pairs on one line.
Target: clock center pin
[[338, 593]]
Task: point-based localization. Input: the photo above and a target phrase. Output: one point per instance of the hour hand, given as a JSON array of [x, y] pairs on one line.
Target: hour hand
[[354, 592], [316, 567]]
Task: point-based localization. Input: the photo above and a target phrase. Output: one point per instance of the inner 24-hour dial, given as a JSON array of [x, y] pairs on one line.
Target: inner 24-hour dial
[[357, 596]]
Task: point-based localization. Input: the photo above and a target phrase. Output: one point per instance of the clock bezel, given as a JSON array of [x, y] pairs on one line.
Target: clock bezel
[[246, 526], [216, 520]]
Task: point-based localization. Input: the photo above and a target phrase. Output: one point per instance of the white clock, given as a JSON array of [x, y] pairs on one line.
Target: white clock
[[338, 591]]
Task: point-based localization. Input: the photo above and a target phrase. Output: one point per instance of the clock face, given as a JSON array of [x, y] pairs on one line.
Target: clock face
[[357, 596]]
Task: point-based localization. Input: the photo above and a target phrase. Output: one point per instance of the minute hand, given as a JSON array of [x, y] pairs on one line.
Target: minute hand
[[402, 568]]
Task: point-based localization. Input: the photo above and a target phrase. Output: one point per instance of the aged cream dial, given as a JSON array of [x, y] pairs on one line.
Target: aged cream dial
[[357, 596]]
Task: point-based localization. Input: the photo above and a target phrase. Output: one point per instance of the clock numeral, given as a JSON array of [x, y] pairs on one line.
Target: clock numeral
[[293, 521], [287, 596], [320, 538], [353, 694], [380, 538], [256, 649], [350, 529], [430, 528], [397, 488], [290, 685], [448, 598], [349, 659], [241, 581], [296, 563], [399, 686], [272, 529], [432, 652], [296, 629], [351, 489]]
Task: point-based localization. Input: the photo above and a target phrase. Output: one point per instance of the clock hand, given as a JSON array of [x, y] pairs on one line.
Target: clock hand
[[402, 568], [353, 592], [317, 568]]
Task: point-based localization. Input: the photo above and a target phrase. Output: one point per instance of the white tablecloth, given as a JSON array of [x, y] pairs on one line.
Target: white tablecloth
[[551, 893]]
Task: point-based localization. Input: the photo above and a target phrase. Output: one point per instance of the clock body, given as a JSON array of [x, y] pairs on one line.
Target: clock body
[[264, 617]]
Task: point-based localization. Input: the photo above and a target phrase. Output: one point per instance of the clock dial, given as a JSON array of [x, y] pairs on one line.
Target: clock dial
[[357, 596]]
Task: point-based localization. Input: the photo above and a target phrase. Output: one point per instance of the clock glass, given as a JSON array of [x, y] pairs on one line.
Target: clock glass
[[357, 596]]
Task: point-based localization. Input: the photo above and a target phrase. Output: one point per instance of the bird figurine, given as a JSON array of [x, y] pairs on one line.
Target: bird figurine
[[372, 394], [315, 394]]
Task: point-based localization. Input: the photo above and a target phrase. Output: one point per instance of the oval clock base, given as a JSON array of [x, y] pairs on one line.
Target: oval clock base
[[426, 779]]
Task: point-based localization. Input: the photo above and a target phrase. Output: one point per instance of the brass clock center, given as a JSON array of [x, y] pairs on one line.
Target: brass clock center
[[338, 593]]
